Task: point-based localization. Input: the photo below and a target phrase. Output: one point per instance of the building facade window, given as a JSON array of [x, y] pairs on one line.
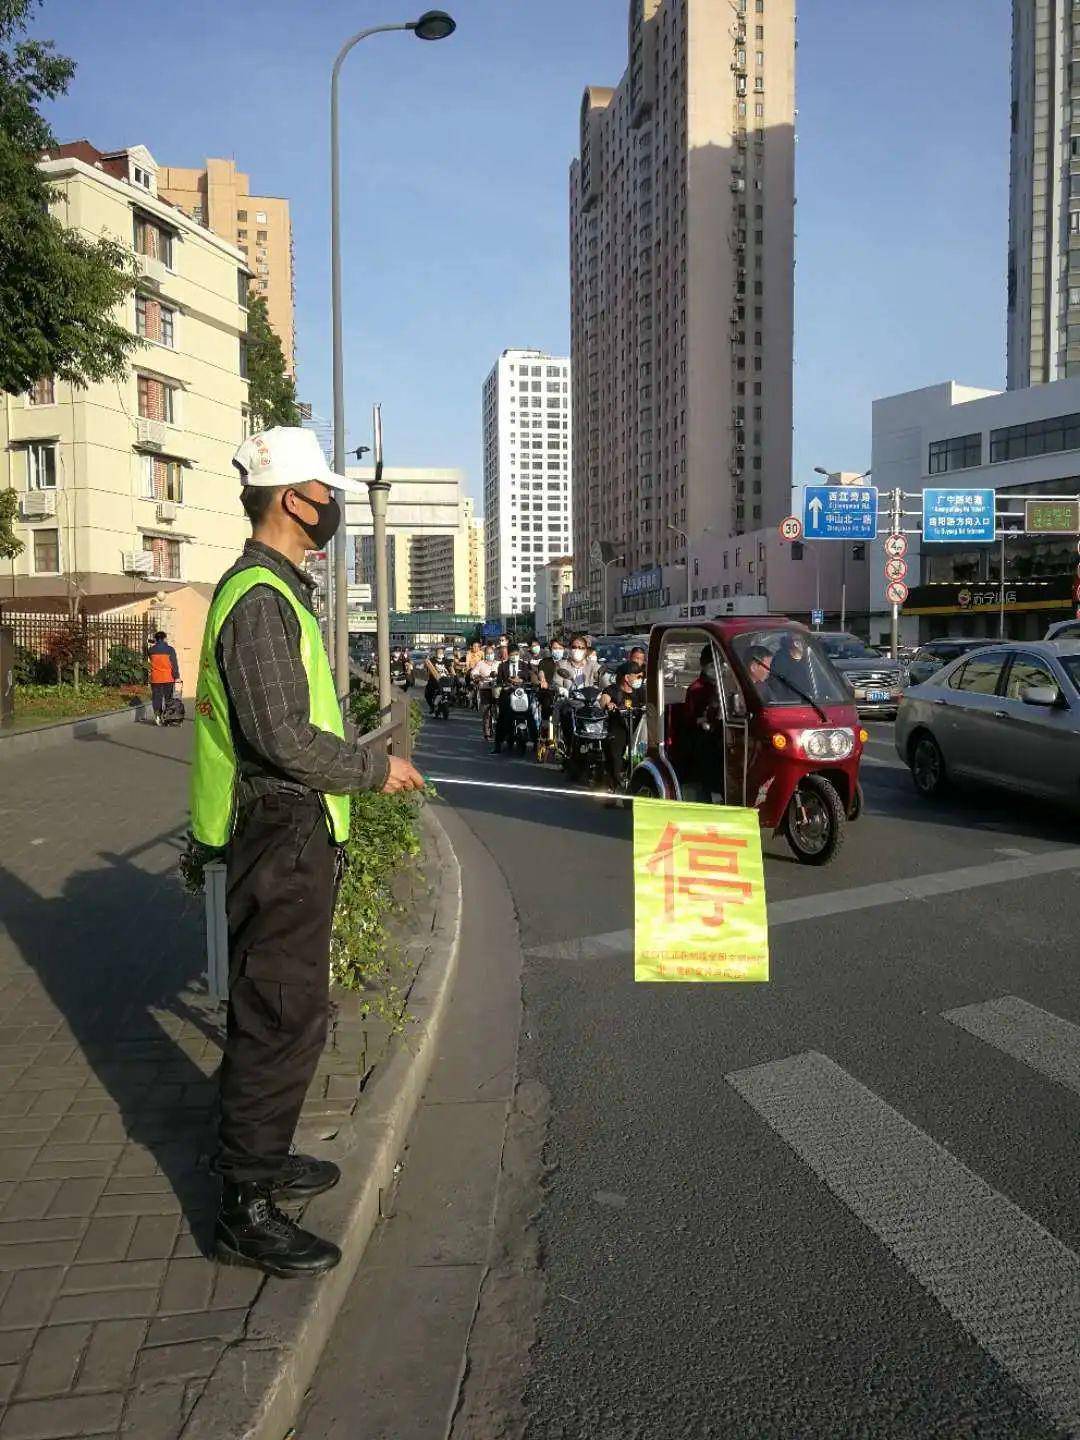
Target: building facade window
[[46, 552], [153, 241], [42, 392], [1038, 437], [154, 321], [959, 453], [163, 479], [41, 465], [166, 556], [155, 399]]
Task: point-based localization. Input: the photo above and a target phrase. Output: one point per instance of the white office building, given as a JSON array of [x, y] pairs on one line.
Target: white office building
[[527, 464], [955, 437]]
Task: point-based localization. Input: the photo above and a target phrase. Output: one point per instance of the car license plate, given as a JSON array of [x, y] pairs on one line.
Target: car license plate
[[876, 697]]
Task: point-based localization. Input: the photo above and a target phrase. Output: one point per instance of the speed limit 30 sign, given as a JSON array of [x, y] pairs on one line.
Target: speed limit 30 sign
[[791, 528]]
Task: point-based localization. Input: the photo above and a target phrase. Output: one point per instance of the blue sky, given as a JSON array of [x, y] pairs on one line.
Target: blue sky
[[455, 163]]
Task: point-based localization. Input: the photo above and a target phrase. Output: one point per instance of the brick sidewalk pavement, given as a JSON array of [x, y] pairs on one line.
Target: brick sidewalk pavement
[[110, 1317]]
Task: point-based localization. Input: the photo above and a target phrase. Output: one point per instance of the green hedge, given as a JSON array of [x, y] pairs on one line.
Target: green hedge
[[384, 839]]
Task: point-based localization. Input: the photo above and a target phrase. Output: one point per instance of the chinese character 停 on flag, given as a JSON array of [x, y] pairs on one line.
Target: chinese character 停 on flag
[[700, 865]]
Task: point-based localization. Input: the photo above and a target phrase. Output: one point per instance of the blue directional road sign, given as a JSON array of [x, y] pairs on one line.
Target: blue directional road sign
[[840, 512], [817, 617], [958, 516]]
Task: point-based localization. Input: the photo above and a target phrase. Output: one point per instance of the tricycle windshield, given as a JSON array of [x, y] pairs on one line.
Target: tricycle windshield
[[789, 667]]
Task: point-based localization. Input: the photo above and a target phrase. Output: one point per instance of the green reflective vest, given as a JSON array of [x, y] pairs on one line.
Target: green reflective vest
[[213, 770]]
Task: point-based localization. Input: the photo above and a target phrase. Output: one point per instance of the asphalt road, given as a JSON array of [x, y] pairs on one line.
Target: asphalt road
[[842, 1204]]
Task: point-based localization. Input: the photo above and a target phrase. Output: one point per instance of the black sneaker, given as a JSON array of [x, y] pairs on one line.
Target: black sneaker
[[251, 1230], [303, 1176]]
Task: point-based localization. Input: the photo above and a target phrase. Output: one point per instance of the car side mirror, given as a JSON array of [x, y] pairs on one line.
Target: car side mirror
[[1048, 695]]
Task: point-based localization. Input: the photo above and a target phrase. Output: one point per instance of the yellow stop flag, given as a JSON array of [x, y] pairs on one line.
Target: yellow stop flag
[[699, 893]]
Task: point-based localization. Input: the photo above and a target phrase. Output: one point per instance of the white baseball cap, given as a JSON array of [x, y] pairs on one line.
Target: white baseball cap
[[288, 455]]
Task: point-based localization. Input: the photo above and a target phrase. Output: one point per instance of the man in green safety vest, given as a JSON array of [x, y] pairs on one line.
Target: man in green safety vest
[[272, 770]]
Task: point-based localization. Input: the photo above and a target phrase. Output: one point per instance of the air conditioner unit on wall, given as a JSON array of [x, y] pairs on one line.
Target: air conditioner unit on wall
[[137, 562], [36, 503], [151, 432], [166, 510]]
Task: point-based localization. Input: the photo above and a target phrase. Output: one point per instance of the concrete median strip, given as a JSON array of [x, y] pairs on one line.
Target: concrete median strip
[[256, 1389], [805, 908]]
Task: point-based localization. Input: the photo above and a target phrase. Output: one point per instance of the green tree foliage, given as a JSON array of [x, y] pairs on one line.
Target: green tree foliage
[[59, 290], [10, 544], [272, 393]]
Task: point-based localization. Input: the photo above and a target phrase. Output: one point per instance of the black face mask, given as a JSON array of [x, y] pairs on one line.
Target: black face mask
[[326, 526]]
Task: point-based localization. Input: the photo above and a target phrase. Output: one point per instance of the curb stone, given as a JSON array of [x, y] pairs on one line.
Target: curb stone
[[44, 737], [258, 1385]]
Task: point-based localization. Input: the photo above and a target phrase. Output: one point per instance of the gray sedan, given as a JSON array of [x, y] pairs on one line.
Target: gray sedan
[[1007, 714]]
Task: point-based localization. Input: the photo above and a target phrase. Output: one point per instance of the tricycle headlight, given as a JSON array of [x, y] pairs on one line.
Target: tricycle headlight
[[833, 744]]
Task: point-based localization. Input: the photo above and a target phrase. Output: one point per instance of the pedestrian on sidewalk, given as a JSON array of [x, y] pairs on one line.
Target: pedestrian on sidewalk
[[271, 775], [164, 673]]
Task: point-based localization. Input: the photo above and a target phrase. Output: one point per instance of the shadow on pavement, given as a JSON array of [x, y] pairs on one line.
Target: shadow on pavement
[[115, 954]]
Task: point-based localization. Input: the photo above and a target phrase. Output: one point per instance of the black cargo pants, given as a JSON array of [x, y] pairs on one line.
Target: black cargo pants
[[282, 877]]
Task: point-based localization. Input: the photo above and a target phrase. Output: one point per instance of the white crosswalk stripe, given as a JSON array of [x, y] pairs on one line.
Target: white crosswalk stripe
[[1043, 1042], [1003, 1277]]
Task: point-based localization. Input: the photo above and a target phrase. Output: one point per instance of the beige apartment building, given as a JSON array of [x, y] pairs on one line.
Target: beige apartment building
[[127, 491], [554, 581], [682, 286], [433, 544], [219, 196]]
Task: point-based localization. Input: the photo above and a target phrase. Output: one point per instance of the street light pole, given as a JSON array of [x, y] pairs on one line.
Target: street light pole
[[689, 563], [615, 559], [432, 25], [378, 490]]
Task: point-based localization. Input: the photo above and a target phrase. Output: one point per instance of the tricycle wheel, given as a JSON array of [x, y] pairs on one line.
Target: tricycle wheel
[[814, 823], [643, 782]]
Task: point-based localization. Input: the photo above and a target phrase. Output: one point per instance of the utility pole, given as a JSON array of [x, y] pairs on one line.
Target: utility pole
[[378, 489], [897, 529]]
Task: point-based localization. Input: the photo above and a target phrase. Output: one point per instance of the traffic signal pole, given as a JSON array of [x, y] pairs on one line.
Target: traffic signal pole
[[897, 518]]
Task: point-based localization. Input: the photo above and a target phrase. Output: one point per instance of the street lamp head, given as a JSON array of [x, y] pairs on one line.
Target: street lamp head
[[433, 25], [820, 470]]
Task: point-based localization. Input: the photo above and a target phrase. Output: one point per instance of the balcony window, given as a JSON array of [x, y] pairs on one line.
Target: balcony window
[[154, 321], [163, 479], [166, 556], [41, 465], [42, 392], [153, 241], [155, 399]]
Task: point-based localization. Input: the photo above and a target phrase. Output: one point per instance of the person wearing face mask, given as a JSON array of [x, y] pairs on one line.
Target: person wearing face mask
[[436, 665], [622, 701], [512, 671], [576, 670], [272, 769]]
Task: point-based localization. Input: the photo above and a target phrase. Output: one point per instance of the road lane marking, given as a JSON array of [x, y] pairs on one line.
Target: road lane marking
[[1013, 1286], [840, 902], [1038, 1039]]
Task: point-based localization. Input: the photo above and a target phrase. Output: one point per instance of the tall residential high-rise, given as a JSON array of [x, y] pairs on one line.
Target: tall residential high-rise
[[682, 284], [1044, 196], [527, 463], [219, 197]]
